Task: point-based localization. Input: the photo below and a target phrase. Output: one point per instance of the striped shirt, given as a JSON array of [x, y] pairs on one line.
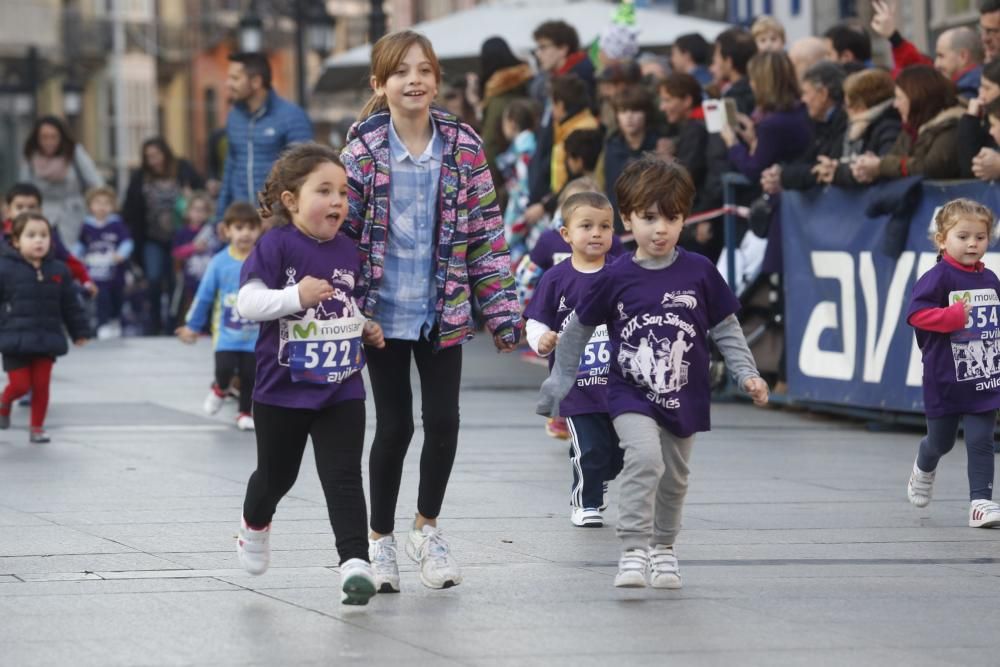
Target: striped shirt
[[406, 308]]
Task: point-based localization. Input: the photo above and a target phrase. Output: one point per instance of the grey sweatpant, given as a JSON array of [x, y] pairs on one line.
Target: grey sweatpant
[[653, 482]]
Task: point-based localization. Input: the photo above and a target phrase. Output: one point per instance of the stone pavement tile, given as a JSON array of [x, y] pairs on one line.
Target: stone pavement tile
[[10, 517], [280, 557], [48, 540], [829, 657], [115, 562], [892, 619], [207, 628], [98, 586]]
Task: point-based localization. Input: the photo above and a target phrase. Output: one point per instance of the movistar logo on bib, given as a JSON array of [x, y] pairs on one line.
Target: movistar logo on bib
[[325, 351]]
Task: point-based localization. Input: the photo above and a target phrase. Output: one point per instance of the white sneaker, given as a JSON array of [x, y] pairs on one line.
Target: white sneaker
[[586, 517], [663, 569], [105, 331], [632, 568], [245, 422], [382, 553], [984, 514], [604, 498], [254, 548], [920, 486], [213, 402], [357, 582], [428, 547]]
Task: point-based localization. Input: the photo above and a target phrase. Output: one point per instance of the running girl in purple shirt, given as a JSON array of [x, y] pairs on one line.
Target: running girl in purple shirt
[[954, 309], [299, 282]]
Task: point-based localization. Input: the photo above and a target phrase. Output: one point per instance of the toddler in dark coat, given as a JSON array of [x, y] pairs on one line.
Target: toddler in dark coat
[[38, 303]]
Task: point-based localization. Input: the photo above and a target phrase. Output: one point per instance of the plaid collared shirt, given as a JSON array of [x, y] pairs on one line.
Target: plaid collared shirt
[[407, 298]]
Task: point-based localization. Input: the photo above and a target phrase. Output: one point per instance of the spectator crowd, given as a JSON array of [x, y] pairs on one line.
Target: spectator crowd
[[784, 116]]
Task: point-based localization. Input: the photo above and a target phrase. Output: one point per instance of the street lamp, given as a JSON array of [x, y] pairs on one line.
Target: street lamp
[[313, 28], [251, 31]]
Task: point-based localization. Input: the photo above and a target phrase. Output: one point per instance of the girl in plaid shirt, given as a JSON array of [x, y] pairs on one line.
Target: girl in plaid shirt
[[424, 213]]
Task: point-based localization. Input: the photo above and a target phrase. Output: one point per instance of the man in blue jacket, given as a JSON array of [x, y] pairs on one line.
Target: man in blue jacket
[[259, 127]]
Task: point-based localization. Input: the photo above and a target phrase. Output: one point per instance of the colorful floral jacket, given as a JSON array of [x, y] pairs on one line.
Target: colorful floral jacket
[[472, 255]]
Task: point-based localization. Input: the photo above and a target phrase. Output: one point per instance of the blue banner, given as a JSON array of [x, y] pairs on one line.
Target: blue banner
[[846, 337]]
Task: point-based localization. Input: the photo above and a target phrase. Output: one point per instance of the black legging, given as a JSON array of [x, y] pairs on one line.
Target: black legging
[[244, 364], [440, 377], [338, 435]]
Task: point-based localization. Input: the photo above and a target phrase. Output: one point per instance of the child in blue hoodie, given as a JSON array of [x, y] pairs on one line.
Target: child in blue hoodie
[[233, 337]]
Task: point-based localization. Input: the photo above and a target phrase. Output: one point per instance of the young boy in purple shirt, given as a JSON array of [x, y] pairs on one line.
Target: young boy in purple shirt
[[660, 305], [588, 230]]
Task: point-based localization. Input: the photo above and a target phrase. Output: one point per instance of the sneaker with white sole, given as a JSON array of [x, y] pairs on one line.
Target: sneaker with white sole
[[428, 548], [244, 422], [586, 517], [984, 514], [663, 569], [213, 402], [357, 582], [382, 553], [920, 486], [632, 568], [254, 548]]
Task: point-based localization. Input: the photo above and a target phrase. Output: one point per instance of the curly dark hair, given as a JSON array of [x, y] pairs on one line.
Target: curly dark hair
[[289, 172]]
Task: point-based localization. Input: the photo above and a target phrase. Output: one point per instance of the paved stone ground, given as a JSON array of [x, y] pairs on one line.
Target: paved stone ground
[[116, 542]]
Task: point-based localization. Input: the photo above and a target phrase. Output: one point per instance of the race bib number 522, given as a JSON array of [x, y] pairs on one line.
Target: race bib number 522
[[325, 351]]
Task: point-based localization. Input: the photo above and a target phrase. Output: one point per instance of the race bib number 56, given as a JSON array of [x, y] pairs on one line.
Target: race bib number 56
[[325, 351], [596, 357]]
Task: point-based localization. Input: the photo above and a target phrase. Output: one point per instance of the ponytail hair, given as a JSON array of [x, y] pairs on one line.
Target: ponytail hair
[[387, 54], [288, 174]]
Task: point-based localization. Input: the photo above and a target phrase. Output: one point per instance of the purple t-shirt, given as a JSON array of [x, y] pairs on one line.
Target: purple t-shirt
[[311, 359], [550, 249], [560, 291], [961, 369], [658, 322], [197, 262], [99, 247]]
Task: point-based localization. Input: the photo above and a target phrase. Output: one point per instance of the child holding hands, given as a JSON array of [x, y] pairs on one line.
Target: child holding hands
[[299, 283]]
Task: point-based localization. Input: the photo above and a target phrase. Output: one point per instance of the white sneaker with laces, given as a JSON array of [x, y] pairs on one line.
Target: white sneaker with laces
[[254, 548], [632, 569], [245, 422], [586, 517], [984, 514], [920, 486], [382, 553], [428, 547], [357, 582], [663, 569], [213, 402]]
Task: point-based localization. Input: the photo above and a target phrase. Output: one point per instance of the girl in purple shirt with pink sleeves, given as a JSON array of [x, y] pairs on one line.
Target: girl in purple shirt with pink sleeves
[[954, 310]]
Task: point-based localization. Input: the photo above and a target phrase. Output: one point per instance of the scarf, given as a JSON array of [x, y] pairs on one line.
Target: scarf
[[53, 169]]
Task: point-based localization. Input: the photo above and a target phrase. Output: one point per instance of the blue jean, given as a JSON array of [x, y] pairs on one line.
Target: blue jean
[[109, 302], [941, 435], [157, 262], [595, 455]]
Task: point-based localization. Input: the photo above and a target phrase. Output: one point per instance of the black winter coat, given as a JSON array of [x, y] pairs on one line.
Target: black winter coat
[[973, 136], [828, 140], [36, 305], [134, 209], [878, 138]]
